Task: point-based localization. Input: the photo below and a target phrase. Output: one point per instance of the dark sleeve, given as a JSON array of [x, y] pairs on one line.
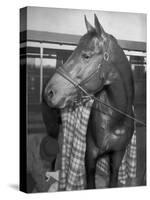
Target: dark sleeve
[[52, 119]]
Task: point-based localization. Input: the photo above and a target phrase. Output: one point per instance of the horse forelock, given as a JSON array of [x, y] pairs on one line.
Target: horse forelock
[[91, 41], [87, 38]]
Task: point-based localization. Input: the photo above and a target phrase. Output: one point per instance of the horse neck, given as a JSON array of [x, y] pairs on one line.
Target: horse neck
[[117, 96], [121, 91]]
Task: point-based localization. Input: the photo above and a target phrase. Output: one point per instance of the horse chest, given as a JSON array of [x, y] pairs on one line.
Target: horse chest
[[101, 117], [107, 140]]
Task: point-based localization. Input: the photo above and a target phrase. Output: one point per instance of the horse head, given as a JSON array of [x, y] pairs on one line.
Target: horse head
[[90, 66]]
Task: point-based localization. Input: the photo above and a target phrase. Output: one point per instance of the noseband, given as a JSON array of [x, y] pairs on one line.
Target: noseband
[[79, 86]]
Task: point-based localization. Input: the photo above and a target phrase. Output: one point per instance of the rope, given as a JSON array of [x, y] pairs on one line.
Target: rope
[[66, 76]]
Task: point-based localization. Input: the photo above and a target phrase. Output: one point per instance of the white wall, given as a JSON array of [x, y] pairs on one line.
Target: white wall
[[126, 26]]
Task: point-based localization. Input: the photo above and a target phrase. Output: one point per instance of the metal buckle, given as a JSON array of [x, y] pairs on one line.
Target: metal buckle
[[106, 56]]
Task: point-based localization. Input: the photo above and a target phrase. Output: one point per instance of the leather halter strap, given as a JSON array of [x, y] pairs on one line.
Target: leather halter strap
[[67, 76], [63, 72], [90, 76], [85, 93]]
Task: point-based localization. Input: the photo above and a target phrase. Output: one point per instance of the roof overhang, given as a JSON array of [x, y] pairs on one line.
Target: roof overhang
[[60, 38]]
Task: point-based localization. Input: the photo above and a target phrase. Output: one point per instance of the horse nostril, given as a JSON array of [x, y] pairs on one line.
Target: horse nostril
[[50, 94]]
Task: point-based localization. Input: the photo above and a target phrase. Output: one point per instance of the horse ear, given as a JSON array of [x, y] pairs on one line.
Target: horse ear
[[88, 25], [98, 27]]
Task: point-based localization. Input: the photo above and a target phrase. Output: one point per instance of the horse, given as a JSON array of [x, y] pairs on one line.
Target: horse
[[98, 67]]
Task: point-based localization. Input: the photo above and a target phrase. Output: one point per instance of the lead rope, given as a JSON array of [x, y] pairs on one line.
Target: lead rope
[[64, 74], [119, 111]]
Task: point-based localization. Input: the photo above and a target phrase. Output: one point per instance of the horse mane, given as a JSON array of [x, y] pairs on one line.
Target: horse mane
[[121, 63]]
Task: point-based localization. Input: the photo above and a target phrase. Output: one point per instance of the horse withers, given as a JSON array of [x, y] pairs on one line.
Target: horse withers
[[98, 67]]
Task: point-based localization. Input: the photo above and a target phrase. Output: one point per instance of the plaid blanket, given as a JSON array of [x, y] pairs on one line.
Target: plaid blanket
[[74, 128], [127, 170]]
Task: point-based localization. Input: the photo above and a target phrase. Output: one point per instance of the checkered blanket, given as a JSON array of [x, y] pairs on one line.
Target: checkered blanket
[[127, 170], [74, 128]]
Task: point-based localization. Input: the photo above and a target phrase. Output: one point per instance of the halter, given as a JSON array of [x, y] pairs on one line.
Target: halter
[[87, 95], [66, 75]]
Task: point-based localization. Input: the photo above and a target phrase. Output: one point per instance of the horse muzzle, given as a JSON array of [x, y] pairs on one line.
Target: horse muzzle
[[57, 97]]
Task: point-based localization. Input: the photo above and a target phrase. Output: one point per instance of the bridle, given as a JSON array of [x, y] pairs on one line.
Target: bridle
[[85, 94]]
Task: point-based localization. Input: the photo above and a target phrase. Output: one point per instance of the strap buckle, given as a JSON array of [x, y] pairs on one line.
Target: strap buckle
[[106, 56]]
